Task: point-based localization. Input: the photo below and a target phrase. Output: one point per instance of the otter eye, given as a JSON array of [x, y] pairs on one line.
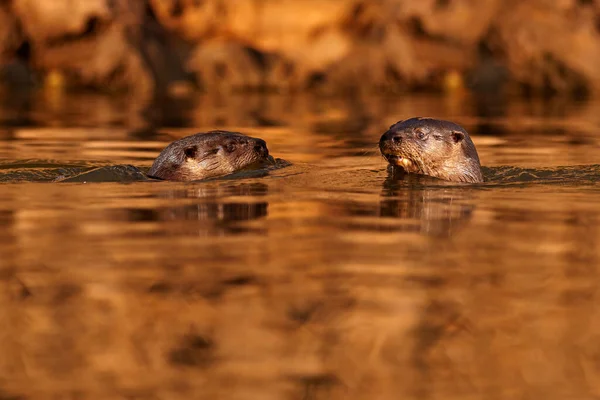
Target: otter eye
[[421, 135]]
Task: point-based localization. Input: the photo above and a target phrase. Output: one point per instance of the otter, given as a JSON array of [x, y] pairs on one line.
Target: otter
[[433, 147], [210, 154], [203, 155]]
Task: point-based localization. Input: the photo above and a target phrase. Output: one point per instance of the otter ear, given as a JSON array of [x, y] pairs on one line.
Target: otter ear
[[190, 152], [457, 136]]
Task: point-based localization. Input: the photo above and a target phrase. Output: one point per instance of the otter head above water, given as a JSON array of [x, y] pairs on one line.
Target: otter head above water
[[428, 146], [211, 154]]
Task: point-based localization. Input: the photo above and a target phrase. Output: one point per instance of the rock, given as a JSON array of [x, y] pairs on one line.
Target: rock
[[10, 35], [146, 45], [456, 21], [97, 43], [265, 37], [225, 66], [550, 46]]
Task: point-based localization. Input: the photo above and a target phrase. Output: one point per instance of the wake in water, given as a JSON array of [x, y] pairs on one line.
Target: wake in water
[[55, 171], [567, 174]]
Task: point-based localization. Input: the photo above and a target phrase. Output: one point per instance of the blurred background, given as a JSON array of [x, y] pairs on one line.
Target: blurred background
[[327, 279], [174, 47]]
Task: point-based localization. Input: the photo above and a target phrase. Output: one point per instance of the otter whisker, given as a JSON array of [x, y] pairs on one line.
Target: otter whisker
[[370, 152]]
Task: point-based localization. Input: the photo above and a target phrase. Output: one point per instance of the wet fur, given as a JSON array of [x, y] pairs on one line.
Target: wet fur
[[206, 155], [446, 152]]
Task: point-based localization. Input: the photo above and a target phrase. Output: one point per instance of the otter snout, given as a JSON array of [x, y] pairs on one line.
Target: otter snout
[[389, 140], [391, 136], [260, 147]]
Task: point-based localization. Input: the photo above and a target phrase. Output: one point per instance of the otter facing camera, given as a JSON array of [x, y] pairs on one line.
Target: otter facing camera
[[432, 147]]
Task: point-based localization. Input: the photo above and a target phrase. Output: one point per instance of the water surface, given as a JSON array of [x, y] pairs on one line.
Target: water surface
[[323, 280]]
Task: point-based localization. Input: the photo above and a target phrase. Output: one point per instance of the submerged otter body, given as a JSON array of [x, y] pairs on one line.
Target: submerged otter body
[[433, 147], [211, 154]]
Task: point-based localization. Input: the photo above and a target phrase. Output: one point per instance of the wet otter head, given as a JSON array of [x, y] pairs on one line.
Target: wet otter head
[[210, 154], [433, 147]]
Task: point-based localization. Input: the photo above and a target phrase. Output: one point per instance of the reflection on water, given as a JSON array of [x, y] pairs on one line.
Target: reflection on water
[[214, 214], [437, 210], [328, 279]]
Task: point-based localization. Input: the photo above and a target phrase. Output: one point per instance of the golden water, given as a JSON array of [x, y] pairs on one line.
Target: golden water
[[323, 280]]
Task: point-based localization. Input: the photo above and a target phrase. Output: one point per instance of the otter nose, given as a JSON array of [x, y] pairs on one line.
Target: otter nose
[[260, 147], [394, 137]]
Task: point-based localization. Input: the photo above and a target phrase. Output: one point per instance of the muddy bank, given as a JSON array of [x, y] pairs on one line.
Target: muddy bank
[[153, 46]]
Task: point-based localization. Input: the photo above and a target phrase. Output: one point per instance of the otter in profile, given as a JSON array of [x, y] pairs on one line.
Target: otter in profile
[[428, 146], [211, 154]]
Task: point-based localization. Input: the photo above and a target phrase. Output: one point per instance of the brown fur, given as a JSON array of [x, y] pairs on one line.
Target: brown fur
[[206, 155], [433, 147]]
